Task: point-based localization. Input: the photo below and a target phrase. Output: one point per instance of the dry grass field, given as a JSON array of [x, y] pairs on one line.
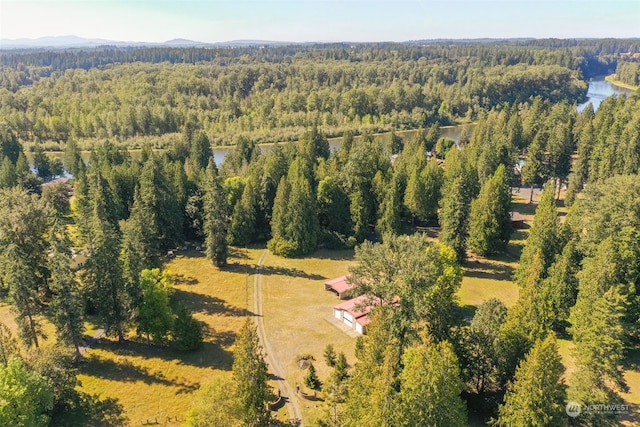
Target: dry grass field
[[296, 308], [150, 382]]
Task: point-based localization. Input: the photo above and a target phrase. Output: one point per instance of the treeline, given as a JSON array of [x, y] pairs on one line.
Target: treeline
[[275, 93], [628, 72]]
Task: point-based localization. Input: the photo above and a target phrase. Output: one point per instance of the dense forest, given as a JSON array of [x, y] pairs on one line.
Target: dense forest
[[423, 362], [272, 94]]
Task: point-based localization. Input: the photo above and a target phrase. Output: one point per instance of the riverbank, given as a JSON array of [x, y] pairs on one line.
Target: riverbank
[[611, 79]]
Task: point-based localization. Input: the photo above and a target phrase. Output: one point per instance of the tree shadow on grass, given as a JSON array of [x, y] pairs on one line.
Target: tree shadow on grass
[[124, 371], [482, 269], [207, 304], [212, 354], [274, 271], [90, 410], [181, 279]]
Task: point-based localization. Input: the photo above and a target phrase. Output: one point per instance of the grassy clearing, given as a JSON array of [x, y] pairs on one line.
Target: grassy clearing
[[296, 307], [151, 382], [486, 278]]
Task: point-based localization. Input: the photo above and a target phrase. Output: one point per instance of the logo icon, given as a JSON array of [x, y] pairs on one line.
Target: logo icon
[[573, 409]]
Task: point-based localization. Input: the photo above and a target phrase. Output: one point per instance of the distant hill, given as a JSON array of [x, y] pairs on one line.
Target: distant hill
[[61, 42]]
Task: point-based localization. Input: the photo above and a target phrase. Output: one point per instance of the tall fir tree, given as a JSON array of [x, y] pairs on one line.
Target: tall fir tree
[[216, 222], [454, 217], [389, 223], [24, 225], [544, 237], [66, 306], [243, 221], [250, 376], [537, 396], [139, 247], [103, 273], [294, 224], [490, 216], [160, 202]]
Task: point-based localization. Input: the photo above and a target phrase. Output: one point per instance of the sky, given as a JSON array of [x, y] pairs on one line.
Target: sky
[[318, 20]]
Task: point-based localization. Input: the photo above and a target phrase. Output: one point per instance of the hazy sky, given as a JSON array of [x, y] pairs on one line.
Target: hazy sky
[[318, 20]]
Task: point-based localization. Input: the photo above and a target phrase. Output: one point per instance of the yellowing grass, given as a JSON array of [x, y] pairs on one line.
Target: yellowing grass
[[296, 308], [151, 382]]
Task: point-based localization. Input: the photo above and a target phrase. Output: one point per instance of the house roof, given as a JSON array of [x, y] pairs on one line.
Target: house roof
[[339, 284], [357, 307]]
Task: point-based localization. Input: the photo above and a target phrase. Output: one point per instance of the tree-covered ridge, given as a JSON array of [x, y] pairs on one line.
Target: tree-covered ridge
[[274, 93]]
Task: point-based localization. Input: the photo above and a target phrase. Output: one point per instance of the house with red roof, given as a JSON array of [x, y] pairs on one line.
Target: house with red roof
[[355, 312]]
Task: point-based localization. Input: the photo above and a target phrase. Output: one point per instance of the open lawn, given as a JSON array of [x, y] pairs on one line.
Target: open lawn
[[296, 308], [151, 382]]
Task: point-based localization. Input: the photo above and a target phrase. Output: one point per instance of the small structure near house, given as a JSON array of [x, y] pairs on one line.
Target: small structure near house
[[517, 220], [354, 313], [340, 286]]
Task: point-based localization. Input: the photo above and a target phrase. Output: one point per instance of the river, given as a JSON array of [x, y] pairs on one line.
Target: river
[[600, 89]]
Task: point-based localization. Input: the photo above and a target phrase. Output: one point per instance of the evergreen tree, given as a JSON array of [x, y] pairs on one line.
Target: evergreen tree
[[359, 213], [294, 224], [490, 217], [303, 224], [598, 334], [397, 143], [430, 386], [333, 207], [9, 145], [243, 220], [479, 356], [72, 159], [200, 151], [341, 366], [279, 215], [24, 258], [42, 164], [335, 392], [66, 304], [216, 221], [8, 176], [160, 202], [454, 217], [311, 379], [186, 334], [415, 196], [330, 355], [103, 273], [139, 247], [544, 237], [532, 171], [389, 222], [251, 377], [537, 396], [374, 376]]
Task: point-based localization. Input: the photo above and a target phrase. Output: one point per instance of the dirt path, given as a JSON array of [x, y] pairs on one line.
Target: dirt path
[[293, 408]]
